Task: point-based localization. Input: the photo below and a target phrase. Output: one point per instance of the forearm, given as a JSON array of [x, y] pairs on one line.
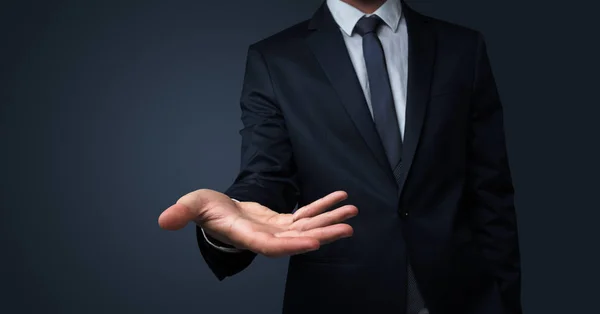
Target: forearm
[[496, 232]]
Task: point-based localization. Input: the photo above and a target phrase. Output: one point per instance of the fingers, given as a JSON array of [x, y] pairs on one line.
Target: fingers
[[324, 235], [320, 205], [325, 219], [272, 246]]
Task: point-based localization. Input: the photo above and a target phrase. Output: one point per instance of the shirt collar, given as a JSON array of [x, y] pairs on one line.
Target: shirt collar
[[346, 16]]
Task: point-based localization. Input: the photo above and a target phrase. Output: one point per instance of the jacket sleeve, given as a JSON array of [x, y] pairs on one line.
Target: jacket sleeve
[[490, 185], [267, 171]]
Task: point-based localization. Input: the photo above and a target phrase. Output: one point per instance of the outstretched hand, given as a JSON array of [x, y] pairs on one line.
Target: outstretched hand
[[251, 226]]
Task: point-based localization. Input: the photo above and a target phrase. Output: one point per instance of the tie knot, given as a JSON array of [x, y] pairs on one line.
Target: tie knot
[[367, 24]]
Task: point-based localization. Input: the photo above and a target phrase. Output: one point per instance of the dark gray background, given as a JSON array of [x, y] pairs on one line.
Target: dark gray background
[[110, 110]]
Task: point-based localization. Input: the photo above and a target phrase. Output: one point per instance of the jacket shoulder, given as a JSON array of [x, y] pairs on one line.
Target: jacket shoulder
[[455, 33], [283, 40]]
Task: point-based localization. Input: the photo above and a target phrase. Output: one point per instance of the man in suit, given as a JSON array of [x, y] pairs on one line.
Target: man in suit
[[379, 109]]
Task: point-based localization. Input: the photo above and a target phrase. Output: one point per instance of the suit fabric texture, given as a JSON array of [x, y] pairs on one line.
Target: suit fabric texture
[[308, 132]]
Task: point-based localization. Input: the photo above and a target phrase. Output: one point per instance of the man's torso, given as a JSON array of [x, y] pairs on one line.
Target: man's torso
[[335, 148]]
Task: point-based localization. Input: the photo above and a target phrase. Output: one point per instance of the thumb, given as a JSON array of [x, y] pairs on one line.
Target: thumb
[[186, 209], [175, 217]]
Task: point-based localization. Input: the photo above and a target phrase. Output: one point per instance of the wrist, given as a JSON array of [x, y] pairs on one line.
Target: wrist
[[216, 239], [222, 246]]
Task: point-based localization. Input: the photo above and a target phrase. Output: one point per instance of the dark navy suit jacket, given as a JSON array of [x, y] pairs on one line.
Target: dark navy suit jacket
[[308, 132]]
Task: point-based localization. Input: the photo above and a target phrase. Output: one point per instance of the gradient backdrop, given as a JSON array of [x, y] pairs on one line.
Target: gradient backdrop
[[111, 110]]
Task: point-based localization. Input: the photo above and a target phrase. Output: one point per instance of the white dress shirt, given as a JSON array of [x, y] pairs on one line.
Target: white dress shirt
[[394, 39]]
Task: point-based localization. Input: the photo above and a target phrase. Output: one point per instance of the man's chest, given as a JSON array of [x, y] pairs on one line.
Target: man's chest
[[328, 92]]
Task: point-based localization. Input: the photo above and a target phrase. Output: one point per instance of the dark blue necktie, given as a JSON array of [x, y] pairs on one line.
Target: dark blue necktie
[[386, 122], [382, 100]]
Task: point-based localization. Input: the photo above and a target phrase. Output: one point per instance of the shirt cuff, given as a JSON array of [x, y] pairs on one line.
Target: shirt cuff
[[219, 247]]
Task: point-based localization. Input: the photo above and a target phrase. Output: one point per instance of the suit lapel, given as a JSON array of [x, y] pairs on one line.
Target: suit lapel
[[421, 55], [327, 44]]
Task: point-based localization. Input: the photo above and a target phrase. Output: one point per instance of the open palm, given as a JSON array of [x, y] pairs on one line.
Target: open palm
[[249, 225]]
